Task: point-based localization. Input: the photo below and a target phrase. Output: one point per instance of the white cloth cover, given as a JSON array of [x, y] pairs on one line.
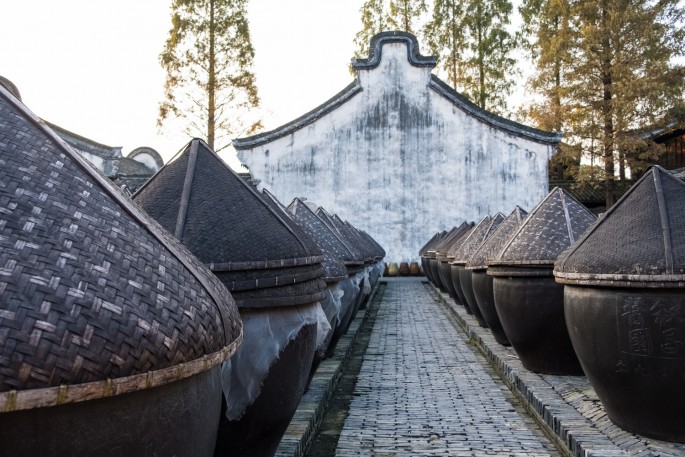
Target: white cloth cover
[[323, 328], [331, 304], [350, 289], [367, 283], [265, 333], [376, 273]]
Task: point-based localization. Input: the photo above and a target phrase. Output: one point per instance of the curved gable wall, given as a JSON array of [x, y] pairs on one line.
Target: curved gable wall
[[400, 159]]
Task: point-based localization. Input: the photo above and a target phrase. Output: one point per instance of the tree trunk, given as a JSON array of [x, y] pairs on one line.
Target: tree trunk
[[621, 165], [453, 67], [481, 59], [556, 96], [607, 114], [211, 80], [406, 17], [453, 49]]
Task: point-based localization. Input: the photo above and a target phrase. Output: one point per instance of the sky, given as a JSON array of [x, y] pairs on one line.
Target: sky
[[92, 67]]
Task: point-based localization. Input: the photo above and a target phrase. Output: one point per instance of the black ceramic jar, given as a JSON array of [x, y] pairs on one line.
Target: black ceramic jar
[[482, 282], [625, 306], [275, 275], [529, 302], [113, 333], [471, 243]]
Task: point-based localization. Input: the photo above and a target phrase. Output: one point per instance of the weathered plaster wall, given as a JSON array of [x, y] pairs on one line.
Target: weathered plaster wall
[[401, 160]]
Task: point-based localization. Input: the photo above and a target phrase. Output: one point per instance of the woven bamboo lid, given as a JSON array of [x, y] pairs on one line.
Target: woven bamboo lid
[[476, 237], [430, 251], [229, 226], [639, 242], [365, 243], [422, 250], [377, 249], [495, 242], [328, 241], [328, 219], [333, 268], [552, 226], [457, 233], [352, 236], [96, 299], [456, 244]]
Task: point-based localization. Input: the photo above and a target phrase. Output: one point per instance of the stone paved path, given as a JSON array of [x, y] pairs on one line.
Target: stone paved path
[[422, 390]]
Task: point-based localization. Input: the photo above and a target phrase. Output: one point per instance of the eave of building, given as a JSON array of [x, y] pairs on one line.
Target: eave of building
[[673, 129], [86, 144], [308, 118], [492, 119]]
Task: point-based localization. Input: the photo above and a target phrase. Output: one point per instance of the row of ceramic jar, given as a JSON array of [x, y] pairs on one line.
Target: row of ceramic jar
[[404, 269], [186, 322], [577, 295]]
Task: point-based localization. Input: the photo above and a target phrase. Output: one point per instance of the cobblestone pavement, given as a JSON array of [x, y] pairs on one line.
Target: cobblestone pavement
[[423, 390]]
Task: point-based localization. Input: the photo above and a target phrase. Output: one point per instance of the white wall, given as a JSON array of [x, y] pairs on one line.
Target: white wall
[[402, 161]]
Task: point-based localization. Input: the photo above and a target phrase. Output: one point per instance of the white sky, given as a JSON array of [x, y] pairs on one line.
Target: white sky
[[92, 67]]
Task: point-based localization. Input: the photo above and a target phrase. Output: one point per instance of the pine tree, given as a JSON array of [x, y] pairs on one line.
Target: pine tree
[[446, 40], [405, 15], [384, 15], [373, 21], [547, 35], [208, 60], [488, 64], [622, 75]]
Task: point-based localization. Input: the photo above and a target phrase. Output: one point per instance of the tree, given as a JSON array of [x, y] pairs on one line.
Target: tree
[[405, 14], [208, 60], [622, 76], [488, 63], [373, 22], [604, 70], [381, 15], [547, 35], [446, 40]]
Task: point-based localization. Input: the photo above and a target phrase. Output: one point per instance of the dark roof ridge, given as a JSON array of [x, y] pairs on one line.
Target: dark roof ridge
[[109, 150], [296, 124], [11, 87], [376, 47], [492, 119], [140, 150], [436, 84]]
